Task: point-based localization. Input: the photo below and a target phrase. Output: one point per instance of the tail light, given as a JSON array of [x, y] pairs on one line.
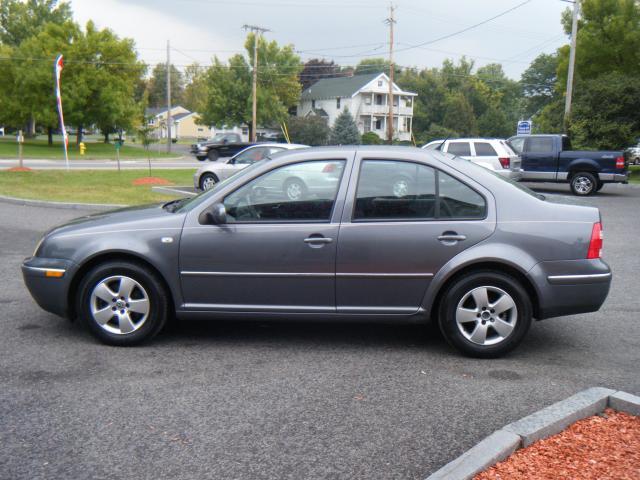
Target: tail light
[[329, 167], [595, 245], [620, 162], [505, 162]]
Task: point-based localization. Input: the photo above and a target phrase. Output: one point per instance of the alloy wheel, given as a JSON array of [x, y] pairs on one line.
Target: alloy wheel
[[119, 304], [486, 315], [294, 191], [583, 185]]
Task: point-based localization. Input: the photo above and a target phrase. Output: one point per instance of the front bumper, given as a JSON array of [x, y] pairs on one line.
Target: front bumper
[[48, 280], [570, 287]]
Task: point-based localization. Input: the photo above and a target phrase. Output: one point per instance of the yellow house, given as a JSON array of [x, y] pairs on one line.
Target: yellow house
[[183, 123]]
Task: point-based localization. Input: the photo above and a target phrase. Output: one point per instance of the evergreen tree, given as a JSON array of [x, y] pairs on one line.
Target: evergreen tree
[[345, 130]]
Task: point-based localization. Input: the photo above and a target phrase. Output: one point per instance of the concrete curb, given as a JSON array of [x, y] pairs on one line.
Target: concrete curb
[[541, 424], [64, 205]]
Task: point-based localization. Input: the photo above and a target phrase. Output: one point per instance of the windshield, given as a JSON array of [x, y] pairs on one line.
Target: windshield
[[186, 204], [217, 137]]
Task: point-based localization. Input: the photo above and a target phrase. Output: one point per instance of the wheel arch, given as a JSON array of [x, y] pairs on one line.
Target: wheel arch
[[490, 266], [104, 257], [583, 165], [204, 174]]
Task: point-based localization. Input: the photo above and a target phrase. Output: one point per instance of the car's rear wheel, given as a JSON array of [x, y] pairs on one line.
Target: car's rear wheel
[[485, 314], [213, 155], [583, 184], [122, 303], [207, 181]]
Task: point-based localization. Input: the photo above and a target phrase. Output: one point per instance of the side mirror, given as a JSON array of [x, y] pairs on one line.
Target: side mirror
[[214, 215]]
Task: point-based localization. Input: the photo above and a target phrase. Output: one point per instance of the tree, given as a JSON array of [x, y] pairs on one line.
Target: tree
[[315, 70], [22, 20], [605, 112], [195, 91], [312, 130], [345, 131], [538, 83], [459, 115], [229, 86], [157, 86]]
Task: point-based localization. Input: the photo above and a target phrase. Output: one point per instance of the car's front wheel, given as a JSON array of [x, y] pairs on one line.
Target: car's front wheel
[[123, 303], [583, 184], [485, 314], [207, 181]]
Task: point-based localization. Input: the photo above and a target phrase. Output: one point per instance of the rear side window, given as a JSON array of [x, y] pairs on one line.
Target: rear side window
[[461, 149], [397, 190], [539, 145], [484, 149]]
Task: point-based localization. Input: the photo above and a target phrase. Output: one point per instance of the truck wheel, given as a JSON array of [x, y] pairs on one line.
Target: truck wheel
[[583, 184], [213, 155]]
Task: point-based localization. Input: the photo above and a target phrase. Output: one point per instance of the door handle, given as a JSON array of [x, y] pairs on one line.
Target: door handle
[[451, 237], [313, 240]]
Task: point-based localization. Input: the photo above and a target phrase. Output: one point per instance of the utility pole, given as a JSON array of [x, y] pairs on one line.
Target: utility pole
[[257, 31], [168, 97], [572, 64], [390, 21]]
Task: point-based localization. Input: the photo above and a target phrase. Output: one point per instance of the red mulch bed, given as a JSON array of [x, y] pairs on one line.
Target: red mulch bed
[[603, 447], [19, 169], [151, 181]]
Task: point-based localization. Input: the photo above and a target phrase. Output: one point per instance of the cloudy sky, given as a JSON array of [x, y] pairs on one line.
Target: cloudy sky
[[343, 30]]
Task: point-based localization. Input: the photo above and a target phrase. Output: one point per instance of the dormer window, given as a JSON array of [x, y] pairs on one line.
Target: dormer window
[[379, 83]]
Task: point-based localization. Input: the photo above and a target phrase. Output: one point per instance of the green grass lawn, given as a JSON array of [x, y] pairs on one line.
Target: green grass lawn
[[96, 150], [88, 186], [635, 174]]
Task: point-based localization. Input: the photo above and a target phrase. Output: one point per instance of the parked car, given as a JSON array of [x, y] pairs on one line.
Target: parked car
[[221, 145], [491, 153], [549, 158], [634, 155], [210, 174], [388, 233]]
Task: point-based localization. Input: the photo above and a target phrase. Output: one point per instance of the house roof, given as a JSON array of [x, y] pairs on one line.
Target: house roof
[[337, 87], [154, 111], [180, 116], [320, 112]]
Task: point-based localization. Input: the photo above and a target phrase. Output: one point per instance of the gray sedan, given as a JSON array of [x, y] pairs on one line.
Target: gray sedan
[[380, 233]]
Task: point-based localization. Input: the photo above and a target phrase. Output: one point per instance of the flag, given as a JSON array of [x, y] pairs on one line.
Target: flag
[[57, 69]]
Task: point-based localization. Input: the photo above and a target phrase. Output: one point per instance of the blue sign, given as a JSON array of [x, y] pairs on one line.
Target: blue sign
[[524, 127]]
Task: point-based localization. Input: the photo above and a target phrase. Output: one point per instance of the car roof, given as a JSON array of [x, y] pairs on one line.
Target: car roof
[[279, 145]]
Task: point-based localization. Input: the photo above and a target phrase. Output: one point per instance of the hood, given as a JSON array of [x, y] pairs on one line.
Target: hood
[[137, 217]]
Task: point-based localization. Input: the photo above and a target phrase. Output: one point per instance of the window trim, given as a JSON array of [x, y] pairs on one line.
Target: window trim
[[289, 222], [434, 219]]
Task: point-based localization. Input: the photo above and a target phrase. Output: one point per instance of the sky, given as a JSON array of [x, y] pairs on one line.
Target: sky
[[345, 31]]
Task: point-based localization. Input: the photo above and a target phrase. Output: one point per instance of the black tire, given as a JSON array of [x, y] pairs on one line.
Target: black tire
[[206, 178], [201, 159], [213, 155], [583, 184], [519, 318], [301, 188], [152, 286]]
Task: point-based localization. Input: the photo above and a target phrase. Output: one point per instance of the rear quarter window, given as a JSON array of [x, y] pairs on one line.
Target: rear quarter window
[[461, 149], [484, 149]]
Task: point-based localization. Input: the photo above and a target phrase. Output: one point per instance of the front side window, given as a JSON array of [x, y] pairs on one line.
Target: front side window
[[484, 149], [539, 145], [461, 149], [251, 155], [300, 192], [396, 190]]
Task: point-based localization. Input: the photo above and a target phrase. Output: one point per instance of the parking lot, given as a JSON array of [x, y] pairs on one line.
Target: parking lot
[[288, 400]]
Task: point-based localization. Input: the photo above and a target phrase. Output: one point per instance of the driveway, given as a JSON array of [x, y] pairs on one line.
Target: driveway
[[287, 400]]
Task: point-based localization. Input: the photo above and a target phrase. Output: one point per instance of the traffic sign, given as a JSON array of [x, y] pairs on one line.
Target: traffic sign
[[524, 127]]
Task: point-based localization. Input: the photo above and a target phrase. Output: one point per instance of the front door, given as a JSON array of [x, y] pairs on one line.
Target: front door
[[406, 221], [277, 250]]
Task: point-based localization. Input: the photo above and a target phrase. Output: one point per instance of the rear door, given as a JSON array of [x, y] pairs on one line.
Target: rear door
[[402, 222], [539, 158]]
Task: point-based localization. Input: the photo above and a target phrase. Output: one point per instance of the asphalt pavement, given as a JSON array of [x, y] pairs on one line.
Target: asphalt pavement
[[259, 400]]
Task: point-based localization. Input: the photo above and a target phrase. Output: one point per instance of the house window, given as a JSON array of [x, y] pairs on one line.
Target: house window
[[379, 83], [408, 101], [378, 123], [379, 100], [313, 104], [338, 103], [367, 100]]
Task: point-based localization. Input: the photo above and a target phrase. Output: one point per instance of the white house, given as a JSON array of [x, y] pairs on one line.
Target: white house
[[366, 97]]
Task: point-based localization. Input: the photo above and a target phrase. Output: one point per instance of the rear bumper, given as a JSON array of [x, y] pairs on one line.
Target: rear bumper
[[615, 177], [515, 174], [51, 293], [570, 287]]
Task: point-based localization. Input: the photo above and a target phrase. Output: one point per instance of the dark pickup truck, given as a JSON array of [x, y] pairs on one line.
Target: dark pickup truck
[[549, 158], [221, 145]]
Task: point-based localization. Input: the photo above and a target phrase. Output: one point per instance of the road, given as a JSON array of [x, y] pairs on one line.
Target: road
[[287, 400]]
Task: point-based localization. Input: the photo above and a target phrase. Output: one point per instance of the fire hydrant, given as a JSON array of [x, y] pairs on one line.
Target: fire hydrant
[[82, 148]]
